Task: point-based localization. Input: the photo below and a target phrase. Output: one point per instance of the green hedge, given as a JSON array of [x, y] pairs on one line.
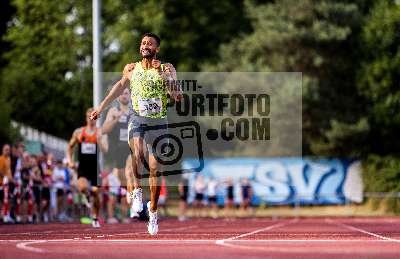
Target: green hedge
[[382, 174]]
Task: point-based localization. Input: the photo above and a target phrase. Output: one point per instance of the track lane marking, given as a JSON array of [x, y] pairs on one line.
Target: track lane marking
[[277, 225], [160, 232], [26, 246], [197, 240], [361, 230]]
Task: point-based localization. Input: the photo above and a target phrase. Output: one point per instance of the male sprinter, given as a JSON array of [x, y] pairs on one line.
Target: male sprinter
[[116, 126], [88, 138], [148, 80]]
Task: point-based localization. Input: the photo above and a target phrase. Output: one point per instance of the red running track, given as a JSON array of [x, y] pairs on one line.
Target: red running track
[[209, 238]]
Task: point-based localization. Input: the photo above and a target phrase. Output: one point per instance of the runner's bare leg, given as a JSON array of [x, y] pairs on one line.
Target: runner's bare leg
[[137, 161], [154, 183], [130, 166]]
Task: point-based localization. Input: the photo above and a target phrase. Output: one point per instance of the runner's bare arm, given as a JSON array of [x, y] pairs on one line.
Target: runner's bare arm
[[70, 148], [8, 172], [102, 141], [173, 88], [116, 91], [110, 121], [128, 69]]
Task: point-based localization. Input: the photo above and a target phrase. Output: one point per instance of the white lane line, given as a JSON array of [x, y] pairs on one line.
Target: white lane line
[[25, 233], [238, 244], [232, 240], [26, 246], [307, 240], [277, 225], [136, 233], [361, 230], [160, 232], [67, 231], [32, 241], [197, 240]]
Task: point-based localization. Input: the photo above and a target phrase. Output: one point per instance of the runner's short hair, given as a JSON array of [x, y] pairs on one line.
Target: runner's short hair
[[154, 36], [89, 110]]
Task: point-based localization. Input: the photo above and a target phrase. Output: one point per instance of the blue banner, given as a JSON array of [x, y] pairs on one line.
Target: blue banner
[[276, 181]]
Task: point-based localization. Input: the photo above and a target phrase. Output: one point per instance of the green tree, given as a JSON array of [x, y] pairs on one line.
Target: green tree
[[378, 82], [379, 76], [312, 37], [191, 32], [48, 76], [5, 129], [47, 80]]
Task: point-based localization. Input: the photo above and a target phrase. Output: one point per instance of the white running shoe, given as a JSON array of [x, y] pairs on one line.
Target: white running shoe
[[152, 227], [46, 218], [8, 219], [95, 223], [137, 202], [112, 221], [133, 214], [126, 221], [182, 218]]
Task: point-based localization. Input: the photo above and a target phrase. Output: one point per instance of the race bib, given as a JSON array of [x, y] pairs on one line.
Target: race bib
[[123, 135], [149, 106], [88, 148], [123, 119]]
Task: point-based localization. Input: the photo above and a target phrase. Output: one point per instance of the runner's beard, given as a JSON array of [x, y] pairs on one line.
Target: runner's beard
[[150, 54]]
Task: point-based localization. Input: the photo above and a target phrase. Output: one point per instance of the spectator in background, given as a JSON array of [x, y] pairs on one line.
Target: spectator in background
[[58, 177], [16, 156], [229, 199], [68, 191], [5, 179], [51, 163], [246, 193], [37, 186], [183, 188], [24, 189], [67, 181], [47, 166], [199, 189], [16, 160], [212, 186]]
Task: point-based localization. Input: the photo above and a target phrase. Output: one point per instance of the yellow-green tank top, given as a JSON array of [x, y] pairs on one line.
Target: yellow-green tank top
[[148, 92]]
